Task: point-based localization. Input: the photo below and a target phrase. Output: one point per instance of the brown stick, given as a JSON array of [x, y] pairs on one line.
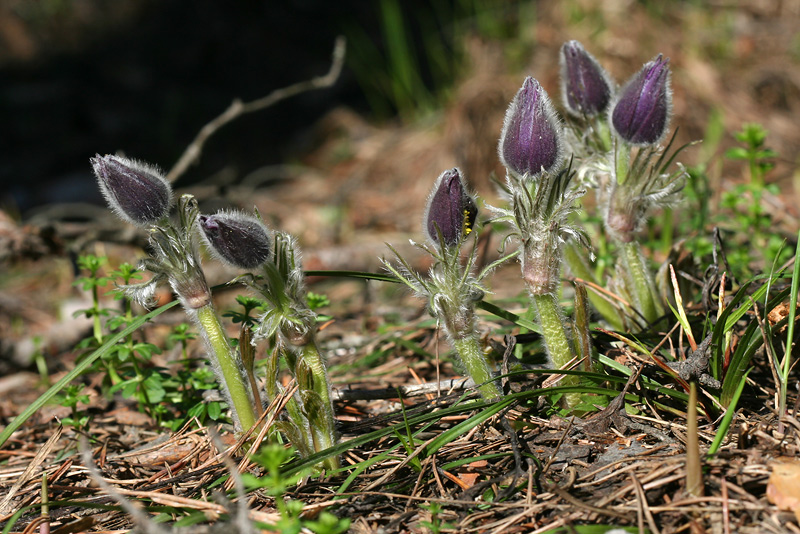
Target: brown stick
[[239, 108]]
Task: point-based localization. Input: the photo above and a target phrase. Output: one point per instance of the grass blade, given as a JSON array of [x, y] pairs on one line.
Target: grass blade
[[786, 364], [725, 424]]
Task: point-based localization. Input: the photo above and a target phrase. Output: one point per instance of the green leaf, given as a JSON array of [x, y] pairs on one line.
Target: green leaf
[[214, 410], [737, 153], [154, 388]]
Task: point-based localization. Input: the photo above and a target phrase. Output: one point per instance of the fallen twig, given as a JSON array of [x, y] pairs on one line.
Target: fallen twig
[[239, 108]]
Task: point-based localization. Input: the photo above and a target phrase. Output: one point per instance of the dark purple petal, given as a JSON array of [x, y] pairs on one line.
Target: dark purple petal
[[531, 140], [641, 113], [450, 209], [238, 239], [137, 192], [585, 85]]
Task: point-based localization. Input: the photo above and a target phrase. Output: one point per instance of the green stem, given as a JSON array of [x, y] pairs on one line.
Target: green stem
[[112, 373], [556, 339], [603, 134], [477, 366], [96, 325], [233, 380], [622, 156], [323, 425], [642, 283], [294, 424]]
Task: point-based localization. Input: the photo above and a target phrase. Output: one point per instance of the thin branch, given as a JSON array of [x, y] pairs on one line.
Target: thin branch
[[238, 108]]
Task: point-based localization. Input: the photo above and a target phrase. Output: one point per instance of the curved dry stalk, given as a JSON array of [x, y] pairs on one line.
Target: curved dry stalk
[[238, 108]]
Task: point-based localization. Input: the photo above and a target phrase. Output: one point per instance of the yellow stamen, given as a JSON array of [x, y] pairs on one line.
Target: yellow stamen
[[467, 223]]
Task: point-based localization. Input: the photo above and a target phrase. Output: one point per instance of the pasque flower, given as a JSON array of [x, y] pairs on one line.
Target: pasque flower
[[641, 111], [585, 86], [531, 142], [451, 288], [238, 239], [135, 191], [531, 145], [451, 210]]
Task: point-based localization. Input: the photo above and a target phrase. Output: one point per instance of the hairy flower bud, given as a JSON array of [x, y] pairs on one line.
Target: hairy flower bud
[[531, 140], [451, 211], [641, 112], [135, 191], [585, 85], [239, 240]]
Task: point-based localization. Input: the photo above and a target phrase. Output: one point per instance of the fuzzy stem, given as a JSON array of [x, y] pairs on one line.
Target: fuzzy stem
[[580, 268], [477, 365], [603, 134], [233, 381], [622, 156], [296, 428], [301, 438], [323, 426], [643, 287], [556, 340]]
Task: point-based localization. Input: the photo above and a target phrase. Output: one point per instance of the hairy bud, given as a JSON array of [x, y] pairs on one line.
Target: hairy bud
[[451, 210], [239, 240], [531, 143], [585, 85], [135, 191], [642, 110]]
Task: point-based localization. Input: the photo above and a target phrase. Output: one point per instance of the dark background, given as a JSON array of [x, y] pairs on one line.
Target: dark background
[[144, 76], [80, 77]]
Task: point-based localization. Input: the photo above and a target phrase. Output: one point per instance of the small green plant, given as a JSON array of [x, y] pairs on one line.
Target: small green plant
[[126, 365], [184, 396], [182, 334], [276, 484], [759, 158], [435, 525], [70, 397], [92, 282], [745, 201], [316, 301]]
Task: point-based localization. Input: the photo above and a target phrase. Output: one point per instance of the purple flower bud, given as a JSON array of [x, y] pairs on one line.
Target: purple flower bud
[[451, 210], [585, 85], [239, 240], [135, 191], [642, 110], [531, 140]]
